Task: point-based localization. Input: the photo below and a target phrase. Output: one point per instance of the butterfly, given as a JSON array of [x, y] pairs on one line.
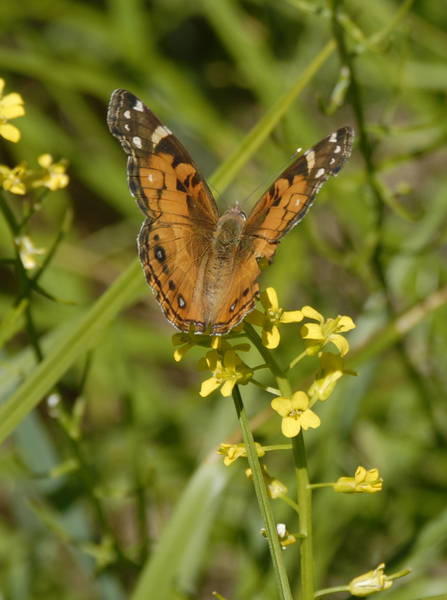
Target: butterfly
[[203, 267]]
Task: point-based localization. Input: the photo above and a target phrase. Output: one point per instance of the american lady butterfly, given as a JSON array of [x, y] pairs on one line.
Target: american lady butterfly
[[203, 267]]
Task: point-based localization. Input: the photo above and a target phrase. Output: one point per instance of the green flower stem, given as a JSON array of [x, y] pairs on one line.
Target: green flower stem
[[263, 500], [304, 495]]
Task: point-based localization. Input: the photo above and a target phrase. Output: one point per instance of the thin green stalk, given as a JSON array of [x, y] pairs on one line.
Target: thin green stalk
[[263, 500], [304, 495]]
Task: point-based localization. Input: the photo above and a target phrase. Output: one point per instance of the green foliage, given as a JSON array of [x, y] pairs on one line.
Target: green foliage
[[113, 488]]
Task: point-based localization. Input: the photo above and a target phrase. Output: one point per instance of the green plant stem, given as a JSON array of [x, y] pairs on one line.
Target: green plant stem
[[304, 495], [263, 500]]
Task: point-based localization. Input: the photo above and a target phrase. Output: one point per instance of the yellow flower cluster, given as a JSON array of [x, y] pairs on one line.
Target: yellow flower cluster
[[11, 107], [19, 179]]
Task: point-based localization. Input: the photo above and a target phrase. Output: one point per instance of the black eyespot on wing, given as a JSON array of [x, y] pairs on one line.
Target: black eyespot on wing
[[160, 254]]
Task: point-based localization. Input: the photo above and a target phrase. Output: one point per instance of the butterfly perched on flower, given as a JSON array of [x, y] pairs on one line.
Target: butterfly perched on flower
[[203, 267]]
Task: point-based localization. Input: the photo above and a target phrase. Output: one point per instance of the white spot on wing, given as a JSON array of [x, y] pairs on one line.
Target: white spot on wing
[[137, 142], [310, 157], [160, 133], [320, 173], [331, 162], [150, 177], [139, 106], [127, 114], [127, 127], [333, 138], [337, 149]]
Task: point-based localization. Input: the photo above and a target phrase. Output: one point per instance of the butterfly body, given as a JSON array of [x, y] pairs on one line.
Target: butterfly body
[[203, 267]]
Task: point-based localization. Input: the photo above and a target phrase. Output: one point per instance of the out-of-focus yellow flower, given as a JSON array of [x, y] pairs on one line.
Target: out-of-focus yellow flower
[[370, 583], [12, 179], [54, 176], [24, 245], [364, 482], [285, 538], [228, 373], [332, 368], [234, 451], [11, 107], [271, 318], [316, 336], [275, 489], [295, 413]]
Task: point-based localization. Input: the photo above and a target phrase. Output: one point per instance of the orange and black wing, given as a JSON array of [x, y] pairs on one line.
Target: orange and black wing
[[181, 214]]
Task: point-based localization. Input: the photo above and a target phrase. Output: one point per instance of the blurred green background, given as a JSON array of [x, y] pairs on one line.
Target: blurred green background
[[145, 509]]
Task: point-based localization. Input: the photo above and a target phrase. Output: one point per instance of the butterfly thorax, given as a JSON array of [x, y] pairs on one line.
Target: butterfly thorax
[[228, 233], [221, 262]]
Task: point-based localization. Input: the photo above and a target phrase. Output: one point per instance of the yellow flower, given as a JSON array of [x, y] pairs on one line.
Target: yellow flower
[[332, 368], [295, 413], [24, 245], [275, 489], [12, 179], [364, 481], [53, 176], [370, 583], [230, 372], [271, 318], [11, 107], [285, 538], [234, 451], [190, 339], [317, 336]]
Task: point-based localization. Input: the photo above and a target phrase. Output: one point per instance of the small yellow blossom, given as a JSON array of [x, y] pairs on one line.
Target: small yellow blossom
[[332, 368], [271, 318], [275, 489], [317, 336], [234, 451], [370, 583], [364, 481], [26, 249], [53, 177], [295, 413], [11, 107], [285, 538], [230, 372], [186, 341], [12, 179]]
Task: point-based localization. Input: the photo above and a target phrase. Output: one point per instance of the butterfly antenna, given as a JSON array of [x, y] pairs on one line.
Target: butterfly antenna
[[218, 193], [280, 170]]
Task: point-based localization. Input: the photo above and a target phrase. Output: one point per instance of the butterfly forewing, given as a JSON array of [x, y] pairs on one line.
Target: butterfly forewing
[[289, 198], [202, 267]]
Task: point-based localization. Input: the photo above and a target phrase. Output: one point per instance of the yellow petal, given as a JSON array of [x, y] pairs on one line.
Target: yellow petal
[[299, 401], [311, 331], [309, 419], [12, 100], [11, 112], [271, 338], [209, 386], [292, 316], [282, 406], [227, 388], [290, 427], [255, 318], [269, 299], [341, 343], [346, 324], [10, 132], [311, 313]]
